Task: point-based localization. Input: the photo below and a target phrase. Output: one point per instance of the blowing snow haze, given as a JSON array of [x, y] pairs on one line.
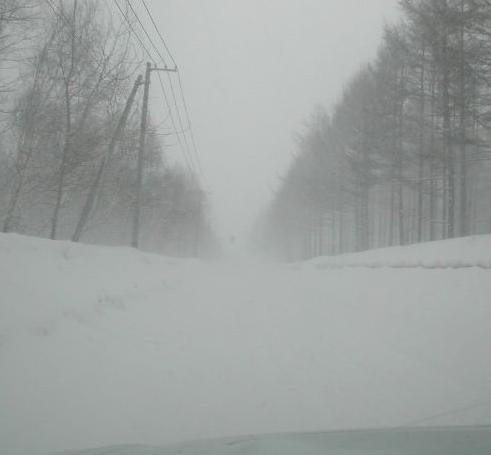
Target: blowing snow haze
[[225, 218], [254, 70]]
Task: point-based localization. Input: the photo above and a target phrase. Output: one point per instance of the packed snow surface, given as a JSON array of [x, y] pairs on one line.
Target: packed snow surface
[[104, 346], [403, 441]]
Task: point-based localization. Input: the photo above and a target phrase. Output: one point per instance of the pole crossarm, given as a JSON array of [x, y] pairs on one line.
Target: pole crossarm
[[167, 70]]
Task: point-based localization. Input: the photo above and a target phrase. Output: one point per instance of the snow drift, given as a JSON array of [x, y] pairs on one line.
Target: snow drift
[[103, 346], [465, 252]]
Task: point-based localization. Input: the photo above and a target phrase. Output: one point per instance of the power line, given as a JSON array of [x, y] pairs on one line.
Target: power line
[[185, 152], [158, 33], [186, 110], [179, 118], [181, 124], [142, 45], [185, 149], [184, 102], [146, 33]]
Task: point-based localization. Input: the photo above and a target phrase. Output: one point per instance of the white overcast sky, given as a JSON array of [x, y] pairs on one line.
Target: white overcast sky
[[253, 70]]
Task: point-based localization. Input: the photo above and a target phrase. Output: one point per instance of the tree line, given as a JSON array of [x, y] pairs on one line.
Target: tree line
[[68, 69], [403, 157]]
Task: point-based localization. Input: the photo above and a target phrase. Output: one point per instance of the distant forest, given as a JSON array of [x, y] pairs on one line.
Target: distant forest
[[68, 68], [404, 156]]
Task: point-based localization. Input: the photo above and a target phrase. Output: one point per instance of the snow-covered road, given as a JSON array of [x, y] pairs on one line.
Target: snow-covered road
[[102, 346]]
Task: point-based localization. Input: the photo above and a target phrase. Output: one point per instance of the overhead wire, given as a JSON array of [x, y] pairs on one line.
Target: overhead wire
[[181, 89], [132, 29], [186, 110], [185, 152], [146, 33], [194, 160], [159, 34], [179, 118], [184, 148]]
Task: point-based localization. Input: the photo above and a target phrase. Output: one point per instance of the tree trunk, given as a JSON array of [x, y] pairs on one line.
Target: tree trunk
[[421, 148], [462, 132], [400, 160]]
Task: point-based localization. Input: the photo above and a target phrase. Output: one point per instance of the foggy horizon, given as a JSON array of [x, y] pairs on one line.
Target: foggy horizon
[[261, 83]]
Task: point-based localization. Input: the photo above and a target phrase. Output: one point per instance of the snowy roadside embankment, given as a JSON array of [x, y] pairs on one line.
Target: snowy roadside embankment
[[465, 252], [43, 281], [105, 346]]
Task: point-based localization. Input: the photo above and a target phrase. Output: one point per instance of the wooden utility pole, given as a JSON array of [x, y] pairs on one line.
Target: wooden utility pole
[[141, 151], [135, 238], [89, 203]]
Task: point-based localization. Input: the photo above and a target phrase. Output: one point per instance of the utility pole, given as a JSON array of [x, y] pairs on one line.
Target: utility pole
[[141, 150], [89, 203], [135, 238]]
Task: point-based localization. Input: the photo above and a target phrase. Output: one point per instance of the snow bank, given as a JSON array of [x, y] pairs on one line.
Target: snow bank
[[456, 253], [104, 346], [43, 281]]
